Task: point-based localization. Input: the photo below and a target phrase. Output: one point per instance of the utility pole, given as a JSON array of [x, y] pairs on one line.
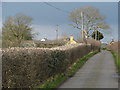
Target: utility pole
[[98, 32], [57, 32], [82, 16], [83, 33], [96, 35], [95, 32]]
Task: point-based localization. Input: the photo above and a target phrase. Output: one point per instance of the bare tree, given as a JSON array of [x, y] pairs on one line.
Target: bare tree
[[87, 19], [64, 35], [16, 29]]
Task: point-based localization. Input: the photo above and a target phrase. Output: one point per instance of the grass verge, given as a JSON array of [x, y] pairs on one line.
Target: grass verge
[[117, 60], [55, 81]]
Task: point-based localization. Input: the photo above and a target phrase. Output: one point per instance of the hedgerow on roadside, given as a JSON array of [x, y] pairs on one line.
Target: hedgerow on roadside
[[56, 80], [29, 67]]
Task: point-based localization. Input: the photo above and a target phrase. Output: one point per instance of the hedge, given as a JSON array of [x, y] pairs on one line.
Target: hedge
[[29, 67], [115, 50]]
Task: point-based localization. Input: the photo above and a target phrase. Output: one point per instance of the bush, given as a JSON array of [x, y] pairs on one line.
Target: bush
[[29, 67], [115, 46], [50, 43]]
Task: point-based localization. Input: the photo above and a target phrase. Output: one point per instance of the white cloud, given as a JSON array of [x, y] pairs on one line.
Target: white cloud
[[45, 31], [49, 31]]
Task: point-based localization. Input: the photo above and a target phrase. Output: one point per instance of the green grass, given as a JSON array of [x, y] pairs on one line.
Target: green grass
[[117, 60], [55, 81]]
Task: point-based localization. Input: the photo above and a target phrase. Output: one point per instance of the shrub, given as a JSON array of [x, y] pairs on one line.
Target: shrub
[[50, 43], [29, 67], [115, 46]]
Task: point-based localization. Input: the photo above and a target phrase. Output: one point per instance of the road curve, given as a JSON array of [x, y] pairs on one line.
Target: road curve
[[98, 72]]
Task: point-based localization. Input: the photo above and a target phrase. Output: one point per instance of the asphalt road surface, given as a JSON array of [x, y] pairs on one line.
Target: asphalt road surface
[[98, 72]]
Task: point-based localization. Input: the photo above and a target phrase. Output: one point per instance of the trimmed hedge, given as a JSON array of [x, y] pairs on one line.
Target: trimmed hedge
[[57, 80], [50, 43], [29, 67], [115, 47]]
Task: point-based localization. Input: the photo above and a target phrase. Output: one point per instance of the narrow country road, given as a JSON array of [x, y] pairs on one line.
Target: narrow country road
[[98, 72]]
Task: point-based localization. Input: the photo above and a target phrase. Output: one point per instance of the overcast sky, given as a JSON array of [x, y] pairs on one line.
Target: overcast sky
[[45, 17]]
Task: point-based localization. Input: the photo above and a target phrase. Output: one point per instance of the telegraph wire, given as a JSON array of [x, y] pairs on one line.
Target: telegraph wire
[[56, 7]]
